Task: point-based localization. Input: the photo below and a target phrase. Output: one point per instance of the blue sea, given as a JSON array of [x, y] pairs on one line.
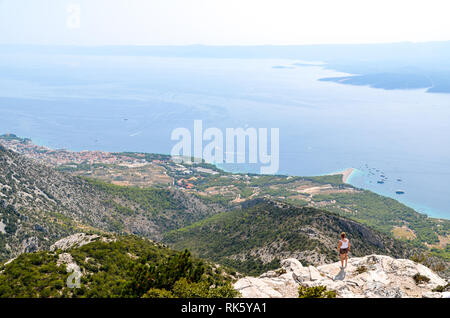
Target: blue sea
[[125, 103]]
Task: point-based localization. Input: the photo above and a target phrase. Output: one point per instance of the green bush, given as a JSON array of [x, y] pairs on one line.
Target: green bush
[[420, 279], [158, 293], [315, 292], [185, 289], [127, 267], [441, 289], [361, 269]]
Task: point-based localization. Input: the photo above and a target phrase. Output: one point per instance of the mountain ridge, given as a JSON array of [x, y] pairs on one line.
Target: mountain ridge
[[39, 205], [253, 238]]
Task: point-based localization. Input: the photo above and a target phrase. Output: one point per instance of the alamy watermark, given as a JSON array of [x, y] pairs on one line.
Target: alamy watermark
[[237, 145], [73, 281]]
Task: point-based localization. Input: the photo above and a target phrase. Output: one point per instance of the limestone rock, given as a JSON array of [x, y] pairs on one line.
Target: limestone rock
[[314, 274], [73, 280], [64, 258], [373, 276], [30, 244], [267, 287], [75, 240], [291, 264]]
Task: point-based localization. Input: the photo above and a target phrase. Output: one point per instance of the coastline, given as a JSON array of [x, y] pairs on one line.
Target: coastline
[[350, 176], [346, 174], [357, 178]]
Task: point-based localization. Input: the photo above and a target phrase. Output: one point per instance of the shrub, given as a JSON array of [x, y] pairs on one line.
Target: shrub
[[112, 272], [441, 289], [420, 279], [431, 261], [223, 291], [280, 271], [315, 292], [361, 269], [158, 293], [185, 289]]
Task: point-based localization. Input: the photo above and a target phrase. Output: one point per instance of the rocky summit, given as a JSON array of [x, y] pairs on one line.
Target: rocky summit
[[373, 276], [75, 240]]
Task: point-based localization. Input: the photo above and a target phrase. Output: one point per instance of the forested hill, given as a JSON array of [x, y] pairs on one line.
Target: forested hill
[[112, 266]]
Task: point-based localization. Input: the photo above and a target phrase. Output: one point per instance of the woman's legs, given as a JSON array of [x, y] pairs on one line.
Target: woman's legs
[[346, 259], [342, 260]]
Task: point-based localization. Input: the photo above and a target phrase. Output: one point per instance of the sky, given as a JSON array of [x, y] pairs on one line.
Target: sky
[[222, 22]]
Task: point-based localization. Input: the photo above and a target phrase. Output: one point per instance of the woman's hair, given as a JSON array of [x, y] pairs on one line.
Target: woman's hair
[[343, 235]]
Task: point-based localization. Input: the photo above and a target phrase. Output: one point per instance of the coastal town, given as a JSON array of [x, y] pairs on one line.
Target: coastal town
[[143, 169], [26, 147], [138, 169]]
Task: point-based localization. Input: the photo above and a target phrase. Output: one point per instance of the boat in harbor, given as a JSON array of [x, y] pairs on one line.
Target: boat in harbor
[[400, 192]]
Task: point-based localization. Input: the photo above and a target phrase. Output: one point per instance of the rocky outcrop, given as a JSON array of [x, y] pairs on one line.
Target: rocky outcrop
[[30, 244], [73, 280], [75, 240], [373, 276]]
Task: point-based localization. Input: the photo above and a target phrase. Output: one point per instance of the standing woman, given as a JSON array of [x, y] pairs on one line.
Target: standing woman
[[343, 249]]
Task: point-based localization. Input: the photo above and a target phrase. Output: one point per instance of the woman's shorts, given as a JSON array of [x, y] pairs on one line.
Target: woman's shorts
[[344, 250]]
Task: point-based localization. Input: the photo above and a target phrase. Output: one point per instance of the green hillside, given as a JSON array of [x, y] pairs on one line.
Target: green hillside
[[39, 205], [383, 213], [115, 266]]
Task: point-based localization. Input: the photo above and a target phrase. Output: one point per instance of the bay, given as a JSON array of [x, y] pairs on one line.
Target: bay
[[126, 103]]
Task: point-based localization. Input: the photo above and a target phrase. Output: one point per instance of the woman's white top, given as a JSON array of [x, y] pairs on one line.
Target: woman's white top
[[344, 243]]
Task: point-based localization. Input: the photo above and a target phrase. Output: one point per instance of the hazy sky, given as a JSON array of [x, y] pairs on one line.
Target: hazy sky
[[222, 22]]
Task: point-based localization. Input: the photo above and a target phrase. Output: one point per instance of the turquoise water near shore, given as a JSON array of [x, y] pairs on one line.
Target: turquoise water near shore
[[363, 180], [116, 103], [359, 179], [353, 175]]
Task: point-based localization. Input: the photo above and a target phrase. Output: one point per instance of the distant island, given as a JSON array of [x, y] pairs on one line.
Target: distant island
[[387, 81], [402, 65]]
